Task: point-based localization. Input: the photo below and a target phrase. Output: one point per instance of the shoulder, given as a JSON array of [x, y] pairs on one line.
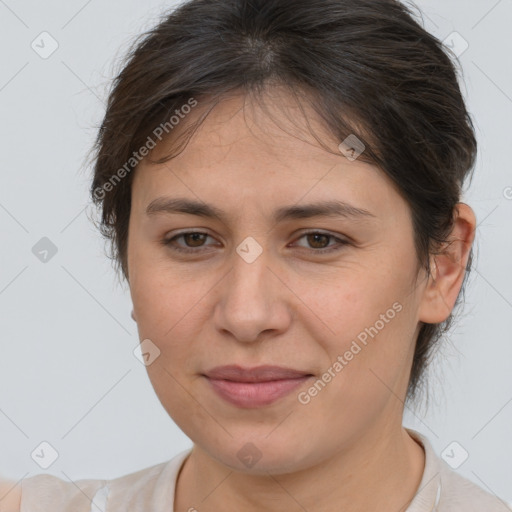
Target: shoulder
[[145, 489], [47, 493], [444, 490], [10, 496], [150, 489], [459, 493]]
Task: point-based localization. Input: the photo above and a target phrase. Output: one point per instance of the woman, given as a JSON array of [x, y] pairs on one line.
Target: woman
[[281, 184]]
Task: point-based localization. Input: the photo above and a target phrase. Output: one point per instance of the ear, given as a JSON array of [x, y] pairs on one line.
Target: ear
[[448, 269], [133, 316]]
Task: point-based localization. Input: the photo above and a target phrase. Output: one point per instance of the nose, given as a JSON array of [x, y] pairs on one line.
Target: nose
[[254, 301]]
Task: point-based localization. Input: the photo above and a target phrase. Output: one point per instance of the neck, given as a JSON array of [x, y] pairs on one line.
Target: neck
[[381, 471]]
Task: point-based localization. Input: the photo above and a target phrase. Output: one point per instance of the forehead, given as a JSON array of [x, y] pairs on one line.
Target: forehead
[[274, 124], [248, 151]]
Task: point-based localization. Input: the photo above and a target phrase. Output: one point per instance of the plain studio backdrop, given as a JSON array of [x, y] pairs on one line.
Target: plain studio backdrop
[[69, 375]]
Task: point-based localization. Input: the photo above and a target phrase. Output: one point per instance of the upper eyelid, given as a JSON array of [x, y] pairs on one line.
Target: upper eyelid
[[304, 231]]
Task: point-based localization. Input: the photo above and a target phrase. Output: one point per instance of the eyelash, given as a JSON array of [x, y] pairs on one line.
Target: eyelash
[[341, 243]]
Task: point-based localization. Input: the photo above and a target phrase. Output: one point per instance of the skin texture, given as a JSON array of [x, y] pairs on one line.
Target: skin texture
[[10, 496], [291, 307]]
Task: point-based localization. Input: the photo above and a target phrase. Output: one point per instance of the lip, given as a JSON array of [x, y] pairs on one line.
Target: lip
[[254, 387]]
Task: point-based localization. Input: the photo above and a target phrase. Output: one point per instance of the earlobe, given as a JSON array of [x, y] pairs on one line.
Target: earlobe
[[448, 268], [133, 316]]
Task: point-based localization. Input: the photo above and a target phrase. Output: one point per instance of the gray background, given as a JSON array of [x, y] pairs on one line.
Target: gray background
[[67, 368]]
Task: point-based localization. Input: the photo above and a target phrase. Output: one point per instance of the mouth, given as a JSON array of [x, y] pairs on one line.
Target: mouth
[[254, 387]]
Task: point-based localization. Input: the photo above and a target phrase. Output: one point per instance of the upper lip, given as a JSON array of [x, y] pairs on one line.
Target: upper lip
[[257, 374]]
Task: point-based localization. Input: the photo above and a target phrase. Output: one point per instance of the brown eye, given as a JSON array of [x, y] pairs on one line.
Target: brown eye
[[192, 239], [318, 242], [195, 239]]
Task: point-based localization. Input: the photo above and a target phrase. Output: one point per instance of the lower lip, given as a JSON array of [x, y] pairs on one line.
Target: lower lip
[[255, 394]]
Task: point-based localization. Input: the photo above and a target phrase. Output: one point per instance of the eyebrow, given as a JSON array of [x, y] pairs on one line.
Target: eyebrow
[[332, 208]]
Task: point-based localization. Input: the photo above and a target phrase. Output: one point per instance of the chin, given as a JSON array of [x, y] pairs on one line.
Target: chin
[[260, 456]]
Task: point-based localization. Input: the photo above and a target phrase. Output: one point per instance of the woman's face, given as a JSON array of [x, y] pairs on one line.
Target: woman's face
[[341, 304]]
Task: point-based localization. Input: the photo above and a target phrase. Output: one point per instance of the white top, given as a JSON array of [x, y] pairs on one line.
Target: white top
[[152, 490]]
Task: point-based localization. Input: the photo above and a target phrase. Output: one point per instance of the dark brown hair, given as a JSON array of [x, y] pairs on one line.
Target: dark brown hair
[[368, 68]]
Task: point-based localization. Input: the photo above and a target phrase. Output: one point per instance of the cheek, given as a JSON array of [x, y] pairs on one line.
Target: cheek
[[171, 312], [352, 302], [160, 297], [369, 361], [366, 324], [166, 315]]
